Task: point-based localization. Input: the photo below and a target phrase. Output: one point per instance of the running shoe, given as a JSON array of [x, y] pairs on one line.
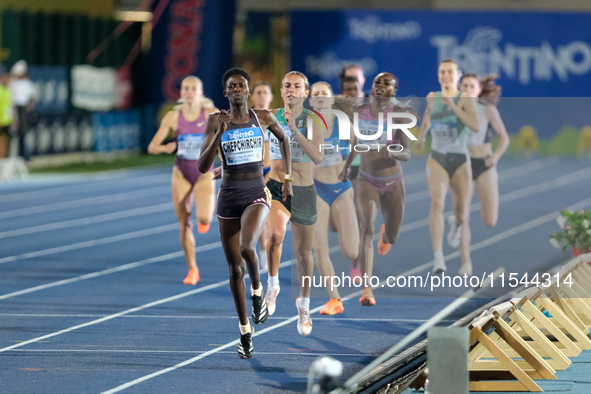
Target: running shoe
[[455, 233], [260, 312], [192, 277], [202, 228], [270, 297], [439, 266], [383, 247], [304, 320], [245, 348], [332, 307], [367, 298]]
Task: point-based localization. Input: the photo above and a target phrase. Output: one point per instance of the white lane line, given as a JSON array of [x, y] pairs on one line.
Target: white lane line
[[198, 249], [511, 196], [503, 175], [93, 242], [299, 353], [132, 310], [490, 241], [521, 170], [73, 188], [89, 220], [335, 318], [120, 268], [85, 202]]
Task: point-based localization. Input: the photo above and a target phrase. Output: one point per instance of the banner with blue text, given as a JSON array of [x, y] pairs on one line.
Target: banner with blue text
[[536, 54]]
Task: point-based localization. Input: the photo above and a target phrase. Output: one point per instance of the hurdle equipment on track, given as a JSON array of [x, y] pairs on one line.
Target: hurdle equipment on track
[[532, 335]]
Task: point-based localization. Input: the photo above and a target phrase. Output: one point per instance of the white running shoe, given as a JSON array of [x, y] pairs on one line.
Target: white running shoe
[[270, 297], [263, 259], [439, 266], [455, 233], [304, 320]]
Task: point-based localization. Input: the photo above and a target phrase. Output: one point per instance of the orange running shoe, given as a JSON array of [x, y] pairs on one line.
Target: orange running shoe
[[367, 298], [202, 228], [192, 277], [383, 247], [332, 307]]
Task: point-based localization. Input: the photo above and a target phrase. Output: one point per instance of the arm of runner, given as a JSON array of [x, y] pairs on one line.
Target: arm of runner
[[216, 125], [404, 154], [310, 148], [268, 119], [465, 110], [494, 118], [426, 123], [167, 124], [344, 175]]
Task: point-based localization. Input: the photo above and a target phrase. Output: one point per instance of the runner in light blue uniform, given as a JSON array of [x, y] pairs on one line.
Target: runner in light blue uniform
[[334, 197]]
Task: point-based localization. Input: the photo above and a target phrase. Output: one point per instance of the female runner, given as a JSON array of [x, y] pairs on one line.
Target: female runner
[[334, 198], [484, 160], [188, 184], [450, 116], [380, 178], [301, 209], [243, 199]]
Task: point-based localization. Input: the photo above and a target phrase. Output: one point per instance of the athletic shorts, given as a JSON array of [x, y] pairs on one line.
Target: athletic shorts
[[478, 167], [450, 161], [302, 205], [235, 196]]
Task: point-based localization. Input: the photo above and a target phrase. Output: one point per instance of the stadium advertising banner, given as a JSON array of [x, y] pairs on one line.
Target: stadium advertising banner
[[51, 85], [543, 60], [94, 88], [63, 133], [536, 54], [180, 48]]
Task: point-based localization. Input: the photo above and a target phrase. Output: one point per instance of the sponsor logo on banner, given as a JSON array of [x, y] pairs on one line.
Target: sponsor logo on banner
[[480, 52], [93, 88], [51, 86], [60, 134], [328, 65], [116, 130], [371, 29]]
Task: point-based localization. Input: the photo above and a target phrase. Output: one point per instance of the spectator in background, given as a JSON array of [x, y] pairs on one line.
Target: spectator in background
[[350, 86], [353, 70], [6, 113], [23, 99]]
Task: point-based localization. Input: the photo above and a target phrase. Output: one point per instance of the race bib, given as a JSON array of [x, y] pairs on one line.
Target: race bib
[[331, 156], [297, 153], [369, 128], [444, 132], [274, 148], [189, 146], [242, 146]]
